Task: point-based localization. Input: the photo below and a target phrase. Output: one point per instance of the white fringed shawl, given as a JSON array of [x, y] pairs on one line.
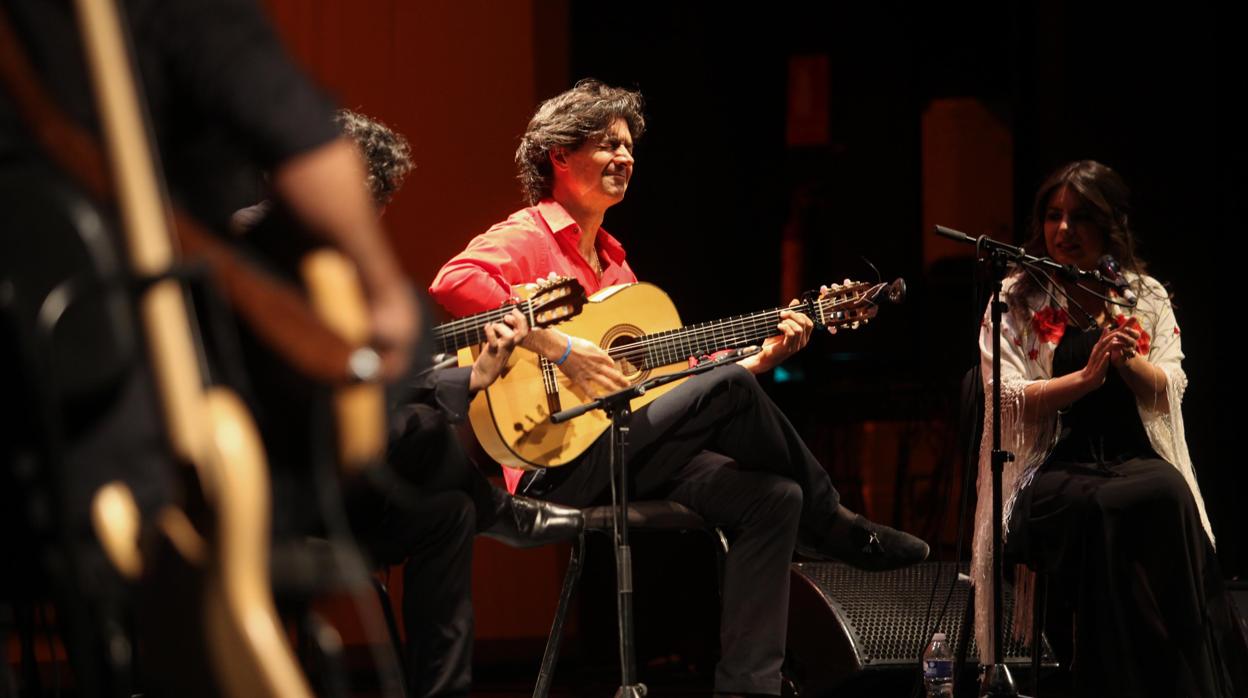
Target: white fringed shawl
[[1027, 358]]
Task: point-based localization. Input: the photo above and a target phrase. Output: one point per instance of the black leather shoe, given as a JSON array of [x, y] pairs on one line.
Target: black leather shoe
[[864, 544], [527, 523]]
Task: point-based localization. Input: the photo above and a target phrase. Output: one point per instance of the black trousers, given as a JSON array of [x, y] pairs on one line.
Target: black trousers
[[433, 540], [426, 518], [429, 458], [721, 447]]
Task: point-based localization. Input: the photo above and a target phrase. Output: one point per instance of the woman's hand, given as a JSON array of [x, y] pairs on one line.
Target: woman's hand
[[1129, 357], [1124, 350], [1046, 397], [1112, 343]]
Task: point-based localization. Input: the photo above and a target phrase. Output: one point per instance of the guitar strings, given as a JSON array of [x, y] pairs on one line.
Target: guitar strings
[[688, 335], [470, 330], [665, 347], [472, 327], [674, 345]]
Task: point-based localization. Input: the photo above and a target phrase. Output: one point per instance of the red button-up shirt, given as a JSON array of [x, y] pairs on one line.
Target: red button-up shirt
[[530, 244]]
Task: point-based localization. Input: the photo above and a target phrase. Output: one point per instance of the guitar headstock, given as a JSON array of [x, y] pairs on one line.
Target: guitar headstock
[[554, 300], [851, 304]]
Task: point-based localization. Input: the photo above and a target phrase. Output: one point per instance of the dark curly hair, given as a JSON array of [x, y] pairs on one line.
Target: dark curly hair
[[567, 121], [386, 152]]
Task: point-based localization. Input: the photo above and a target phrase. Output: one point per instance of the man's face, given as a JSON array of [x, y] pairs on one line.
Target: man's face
[[596, 174]]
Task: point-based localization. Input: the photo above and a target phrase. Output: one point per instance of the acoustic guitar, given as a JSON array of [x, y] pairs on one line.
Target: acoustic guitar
[[638, 325]]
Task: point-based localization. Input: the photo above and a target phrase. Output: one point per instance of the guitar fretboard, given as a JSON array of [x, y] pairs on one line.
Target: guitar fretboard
[[469, 331], [675, 346]]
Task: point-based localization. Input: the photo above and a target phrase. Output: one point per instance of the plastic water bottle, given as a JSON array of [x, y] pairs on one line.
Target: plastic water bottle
[[938, 668]]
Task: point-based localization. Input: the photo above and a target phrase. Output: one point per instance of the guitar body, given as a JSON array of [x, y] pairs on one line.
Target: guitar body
[[511, 418], [639, 327]]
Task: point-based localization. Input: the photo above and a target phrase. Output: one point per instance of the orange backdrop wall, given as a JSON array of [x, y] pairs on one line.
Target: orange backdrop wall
[[458, 78]]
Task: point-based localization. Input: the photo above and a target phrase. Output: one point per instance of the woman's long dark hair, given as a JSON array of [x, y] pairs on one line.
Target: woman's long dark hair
[[1107, 200]]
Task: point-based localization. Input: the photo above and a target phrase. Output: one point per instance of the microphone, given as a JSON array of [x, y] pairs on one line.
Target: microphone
[[1111, 273]]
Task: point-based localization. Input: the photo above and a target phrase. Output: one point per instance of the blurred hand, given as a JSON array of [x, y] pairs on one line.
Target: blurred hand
[[395, 318]]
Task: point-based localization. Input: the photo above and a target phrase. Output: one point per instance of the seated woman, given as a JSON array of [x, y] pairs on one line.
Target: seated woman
[[1101, 492]]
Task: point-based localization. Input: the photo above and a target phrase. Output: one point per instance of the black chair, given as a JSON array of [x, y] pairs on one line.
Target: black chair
[[307, 568], [646, 515]]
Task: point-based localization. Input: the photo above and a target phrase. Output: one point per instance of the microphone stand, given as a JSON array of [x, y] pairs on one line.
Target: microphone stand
[[997, 681], [618, 407]]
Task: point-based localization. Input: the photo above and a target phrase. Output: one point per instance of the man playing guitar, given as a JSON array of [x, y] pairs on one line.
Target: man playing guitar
[[716, 443]]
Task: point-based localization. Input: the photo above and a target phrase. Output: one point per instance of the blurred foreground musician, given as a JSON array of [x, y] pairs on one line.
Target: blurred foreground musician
[[225, 102], [424, 510]]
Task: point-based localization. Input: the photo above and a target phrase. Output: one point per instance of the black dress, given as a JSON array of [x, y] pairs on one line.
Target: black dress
[[1117, 529]]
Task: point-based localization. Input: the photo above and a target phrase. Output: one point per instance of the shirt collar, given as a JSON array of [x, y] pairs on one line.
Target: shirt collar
[[561, 224]]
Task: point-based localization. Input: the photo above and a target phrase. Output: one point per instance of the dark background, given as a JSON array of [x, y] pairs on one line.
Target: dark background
[[1133, 87]]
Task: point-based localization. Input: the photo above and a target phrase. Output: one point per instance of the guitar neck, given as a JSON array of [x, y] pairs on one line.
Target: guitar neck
[[674, 346], [470, 331]]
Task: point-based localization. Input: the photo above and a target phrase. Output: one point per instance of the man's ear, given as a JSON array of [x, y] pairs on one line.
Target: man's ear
[[559, 158]]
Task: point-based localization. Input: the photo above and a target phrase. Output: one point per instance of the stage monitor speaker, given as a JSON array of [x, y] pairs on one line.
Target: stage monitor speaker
[[861, 633]]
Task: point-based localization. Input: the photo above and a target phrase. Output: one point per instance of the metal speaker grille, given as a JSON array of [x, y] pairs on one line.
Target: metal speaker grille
[[885, 612]]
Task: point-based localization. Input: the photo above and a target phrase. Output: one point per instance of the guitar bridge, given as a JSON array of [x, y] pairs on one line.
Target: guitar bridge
[[550, 383]]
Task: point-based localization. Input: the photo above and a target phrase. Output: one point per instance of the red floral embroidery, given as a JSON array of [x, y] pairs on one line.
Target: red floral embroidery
[[1033, 354], [1142, 345], [1176, 331], [1050, 324]]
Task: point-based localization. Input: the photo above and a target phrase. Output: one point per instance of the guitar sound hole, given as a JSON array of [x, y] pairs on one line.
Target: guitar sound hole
[[630, 361]]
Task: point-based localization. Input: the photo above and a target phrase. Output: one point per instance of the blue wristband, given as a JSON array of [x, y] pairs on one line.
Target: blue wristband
[[566, 352]]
